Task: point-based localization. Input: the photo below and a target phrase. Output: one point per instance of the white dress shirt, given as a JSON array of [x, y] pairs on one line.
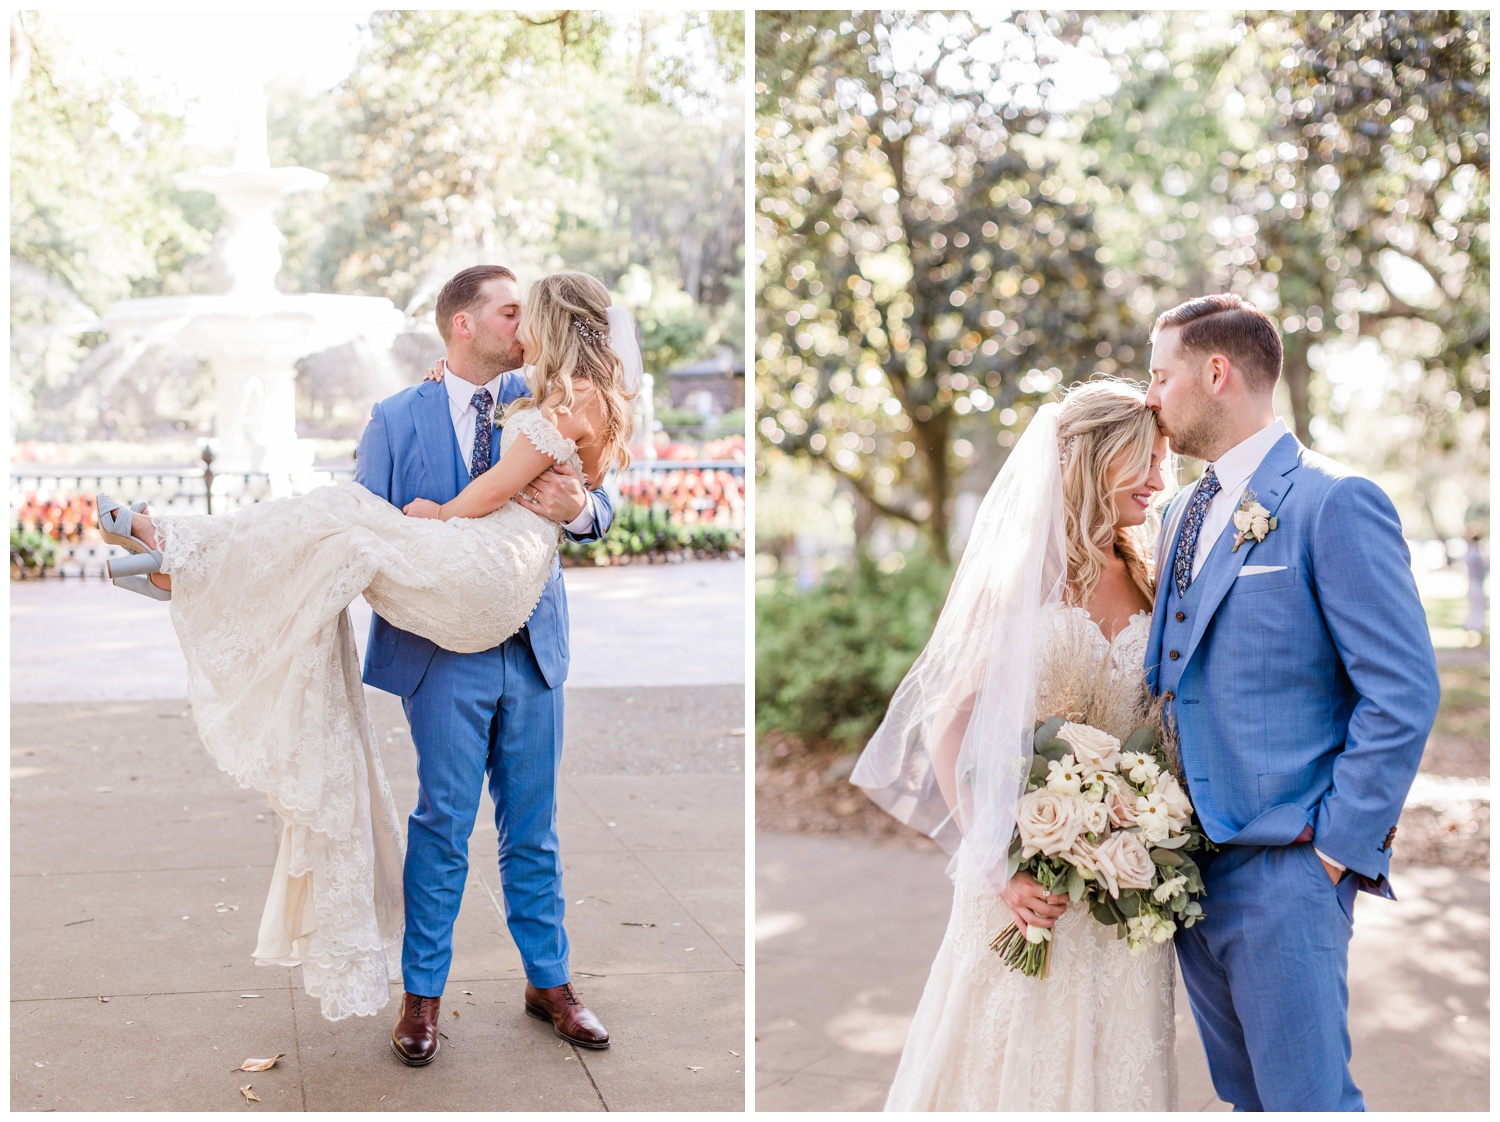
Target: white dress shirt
[[466, 422], [1233, 469]]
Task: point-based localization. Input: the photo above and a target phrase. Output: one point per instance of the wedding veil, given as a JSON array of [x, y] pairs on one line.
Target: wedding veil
[[951, 757], [623, 342]]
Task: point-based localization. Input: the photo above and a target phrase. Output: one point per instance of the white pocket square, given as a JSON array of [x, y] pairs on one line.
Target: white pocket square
[[1254, 570]]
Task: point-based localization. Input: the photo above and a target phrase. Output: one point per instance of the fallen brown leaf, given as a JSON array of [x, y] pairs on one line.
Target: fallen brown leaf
[[261, 1065], [249, 1094]]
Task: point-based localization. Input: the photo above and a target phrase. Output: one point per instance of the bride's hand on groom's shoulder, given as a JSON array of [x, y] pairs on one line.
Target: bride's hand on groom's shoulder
[[439, 368], [422, 508]]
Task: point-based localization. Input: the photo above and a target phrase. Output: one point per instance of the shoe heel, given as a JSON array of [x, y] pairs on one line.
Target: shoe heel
[[136, 565], [143, 586]]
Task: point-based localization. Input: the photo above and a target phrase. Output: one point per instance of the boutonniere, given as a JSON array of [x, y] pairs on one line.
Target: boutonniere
[[1251, 520]]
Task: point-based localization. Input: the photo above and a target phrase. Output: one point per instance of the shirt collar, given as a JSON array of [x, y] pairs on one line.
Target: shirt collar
[[461, 393], [1235, 467]]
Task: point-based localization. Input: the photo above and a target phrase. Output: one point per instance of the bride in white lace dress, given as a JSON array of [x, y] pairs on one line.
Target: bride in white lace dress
[[259, 599], [1055, 586]]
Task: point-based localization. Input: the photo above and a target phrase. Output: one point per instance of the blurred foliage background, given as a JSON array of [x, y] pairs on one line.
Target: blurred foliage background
[[956, 215], [608, 142]]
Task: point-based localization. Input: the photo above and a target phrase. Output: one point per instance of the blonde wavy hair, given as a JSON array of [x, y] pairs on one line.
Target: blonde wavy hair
[[565, 330], [1105, 435]]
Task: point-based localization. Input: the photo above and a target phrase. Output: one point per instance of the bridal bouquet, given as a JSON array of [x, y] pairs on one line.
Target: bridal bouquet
[[1109, 824]]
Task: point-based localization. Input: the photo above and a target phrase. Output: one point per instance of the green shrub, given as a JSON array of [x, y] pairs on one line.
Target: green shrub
[[32, 549], [650, 532], [827, 660]]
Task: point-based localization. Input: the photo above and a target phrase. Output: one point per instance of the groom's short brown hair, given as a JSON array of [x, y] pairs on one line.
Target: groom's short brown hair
[[1229, 325], [461, 293]]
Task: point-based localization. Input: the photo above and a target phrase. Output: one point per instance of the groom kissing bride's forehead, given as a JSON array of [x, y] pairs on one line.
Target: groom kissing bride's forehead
[[1290, 649]]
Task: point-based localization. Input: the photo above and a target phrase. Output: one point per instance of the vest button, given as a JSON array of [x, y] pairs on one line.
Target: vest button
[[1180, 617], [1173, 655], [1169, 696]]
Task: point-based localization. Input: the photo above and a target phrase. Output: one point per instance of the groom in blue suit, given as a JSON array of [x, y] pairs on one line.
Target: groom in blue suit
[[1292, 653], [495, 714]]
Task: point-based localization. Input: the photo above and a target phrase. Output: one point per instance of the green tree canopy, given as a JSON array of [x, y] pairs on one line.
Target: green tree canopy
[[938, 215]]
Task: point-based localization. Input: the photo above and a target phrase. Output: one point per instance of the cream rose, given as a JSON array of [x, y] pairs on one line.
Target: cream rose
[[1095, 818], [1094, 750], [1123, 862], [1048, 822], [1121, 808]]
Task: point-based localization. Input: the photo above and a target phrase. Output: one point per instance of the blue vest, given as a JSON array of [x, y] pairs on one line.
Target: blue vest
[[1182, 614]]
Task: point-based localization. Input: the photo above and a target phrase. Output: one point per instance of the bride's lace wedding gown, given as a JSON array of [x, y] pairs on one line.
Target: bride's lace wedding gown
[[259, 601], [1098, 1032]]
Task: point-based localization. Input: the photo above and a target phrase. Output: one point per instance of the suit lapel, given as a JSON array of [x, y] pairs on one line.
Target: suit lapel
[[1222, 567], [434, 425]]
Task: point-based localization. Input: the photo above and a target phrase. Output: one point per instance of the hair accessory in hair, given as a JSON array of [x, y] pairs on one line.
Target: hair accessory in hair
[[589, 332]]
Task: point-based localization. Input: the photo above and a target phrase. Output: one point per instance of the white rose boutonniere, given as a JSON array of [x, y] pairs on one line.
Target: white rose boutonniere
[[1251, 520]]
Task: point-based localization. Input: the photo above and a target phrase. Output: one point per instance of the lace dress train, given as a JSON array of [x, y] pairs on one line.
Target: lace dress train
[[259, 603], [1098, 1033]]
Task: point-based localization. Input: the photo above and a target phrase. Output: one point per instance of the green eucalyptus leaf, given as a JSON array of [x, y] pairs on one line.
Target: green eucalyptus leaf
[[1142, 740], [1046, 731]]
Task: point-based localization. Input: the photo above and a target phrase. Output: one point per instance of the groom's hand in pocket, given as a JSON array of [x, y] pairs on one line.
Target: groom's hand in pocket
[[1335, 873]]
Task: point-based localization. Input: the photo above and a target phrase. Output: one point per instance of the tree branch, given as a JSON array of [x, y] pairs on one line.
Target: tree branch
[[866, 490]]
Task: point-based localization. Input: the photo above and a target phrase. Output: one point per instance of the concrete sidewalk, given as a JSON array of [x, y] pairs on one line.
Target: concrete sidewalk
[[138, 872], [846, 932]]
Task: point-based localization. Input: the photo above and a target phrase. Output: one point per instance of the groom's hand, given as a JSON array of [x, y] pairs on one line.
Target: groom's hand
[[1335, 873], [558, 494]]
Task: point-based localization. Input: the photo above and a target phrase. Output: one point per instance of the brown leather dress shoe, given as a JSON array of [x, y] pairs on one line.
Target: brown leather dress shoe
[[570, 1020], [415, 1037]]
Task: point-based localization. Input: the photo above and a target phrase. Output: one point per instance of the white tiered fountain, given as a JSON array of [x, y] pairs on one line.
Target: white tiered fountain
[[252, 335]]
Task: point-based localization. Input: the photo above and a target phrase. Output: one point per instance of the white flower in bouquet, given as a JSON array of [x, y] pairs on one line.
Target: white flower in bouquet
[[1147, 928], [1169, 888], [1152, 816], [1095, 818], [1121, 806], [1179, 807], [1096, 789], [1123, 862], [1048, 822], [1139, 767], [1035, 934], [1065, 776], [1094, 750]]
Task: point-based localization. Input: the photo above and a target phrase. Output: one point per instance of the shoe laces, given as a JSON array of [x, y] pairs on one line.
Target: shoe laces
[[568, 995]]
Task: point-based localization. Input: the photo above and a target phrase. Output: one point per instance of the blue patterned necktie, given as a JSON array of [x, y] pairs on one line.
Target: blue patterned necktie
[[480, 463], [1192, 523]]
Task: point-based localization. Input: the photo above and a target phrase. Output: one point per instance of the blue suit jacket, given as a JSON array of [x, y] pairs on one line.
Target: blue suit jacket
[[408, 451], [1304, 695]]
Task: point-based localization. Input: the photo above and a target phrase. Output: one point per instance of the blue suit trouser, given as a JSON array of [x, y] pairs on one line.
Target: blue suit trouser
[[1267, 975], [473, 717]]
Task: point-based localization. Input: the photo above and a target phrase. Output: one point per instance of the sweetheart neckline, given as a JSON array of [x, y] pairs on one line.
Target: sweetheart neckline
[[1110, 639]]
